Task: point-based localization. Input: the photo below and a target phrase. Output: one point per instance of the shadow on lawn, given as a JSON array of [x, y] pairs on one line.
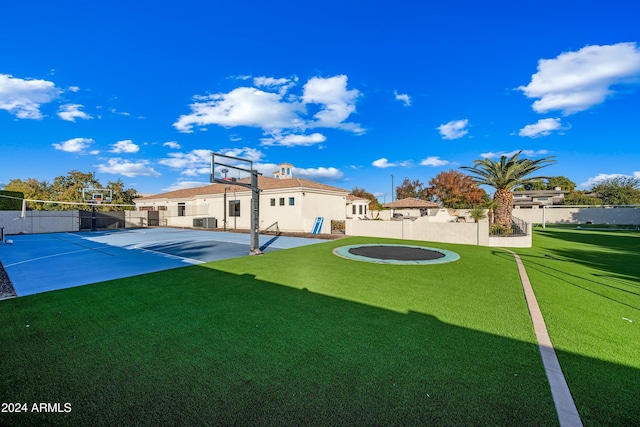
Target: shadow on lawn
[[616, 252], [199, 346], [612, 282]]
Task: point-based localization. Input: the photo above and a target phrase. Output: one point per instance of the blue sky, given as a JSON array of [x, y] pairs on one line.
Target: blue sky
[[351, 93]]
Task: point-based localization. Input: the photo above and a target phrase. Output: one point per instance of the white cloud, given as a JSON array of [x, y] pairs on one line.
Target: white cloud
[[543, 127], [122, 113], [595, 180], [181, 185], [125, 146], [23, 97], [195, 160], [384, 163], [294, 140], [321, 174], [282, 85], [172, 144], [576, 81], [244, 153], [433, 161], [527, 153], [243, 106], [403, 97], [454, 129], [338, 102], [73, 88], [75, 145], [272, 110], [127, 168], [71, 112]]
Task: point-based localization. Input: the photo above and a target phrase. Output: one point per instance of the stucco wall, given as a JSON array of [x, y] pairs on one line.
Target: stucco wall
[[39, 222], [580, 215], [299, 217], [55, 221], [444, 232]]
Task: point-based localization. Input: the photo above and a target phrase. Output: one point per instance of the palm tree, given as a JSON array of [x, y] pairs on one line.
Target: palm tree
[[504, 176], [477, 213], [491, 205]]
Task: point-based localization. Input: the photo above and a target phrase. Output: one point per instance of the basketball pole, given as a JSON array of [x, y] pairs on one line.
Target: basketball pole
[[254, 221]]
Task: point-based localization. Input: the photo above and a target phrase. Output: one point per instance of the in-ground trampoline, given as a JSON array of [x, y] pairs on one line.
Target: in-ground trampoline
[[396, 254]]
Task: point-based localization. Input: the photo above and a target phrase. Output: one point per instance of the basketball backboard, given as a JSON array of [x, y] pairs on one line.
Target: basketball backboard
[[97, 195]]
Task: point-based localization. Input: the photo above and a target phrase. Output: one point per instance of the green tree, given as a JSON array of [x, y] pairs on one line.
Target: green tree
[[504, 176], [580, 198], [619, 190], [477, 213], [69, 188], [563, 182], [120, 195], [364, 194], [11, 200], [413, 188], [32, 190], [455, 190], [550, 183]]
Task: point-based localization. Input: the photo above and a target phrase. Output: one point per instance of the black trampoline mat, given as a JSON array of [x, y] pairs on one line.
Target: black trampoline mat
[[401, 253]]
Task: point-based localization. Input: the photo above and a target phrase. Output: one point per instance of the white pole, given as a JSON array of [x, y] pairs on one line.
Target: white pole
[[544, 216]]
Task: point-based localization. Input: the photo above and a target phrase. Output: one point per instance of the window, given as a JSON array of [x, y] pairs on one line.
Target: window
[[273, 202], [292, 201], [234, 207], [353, 209], [360, 209], [281, 201], [181, 209]]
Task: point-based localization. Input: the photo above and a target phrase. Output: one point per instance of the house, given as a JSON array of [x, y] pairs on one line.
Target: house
[[531, 199], [411, 207], [293, 203], [357, 207]]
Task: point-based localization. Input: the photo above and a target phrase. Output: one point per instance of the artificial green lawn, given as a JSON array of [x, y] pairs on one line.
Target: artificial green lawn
[[302, 337], [289, 338], [587, 283]]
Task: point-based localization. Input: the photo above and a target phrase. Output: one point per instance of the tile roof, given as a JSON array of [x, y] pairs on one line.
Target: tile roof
[[264, 183], [409, 203], [351, 198]]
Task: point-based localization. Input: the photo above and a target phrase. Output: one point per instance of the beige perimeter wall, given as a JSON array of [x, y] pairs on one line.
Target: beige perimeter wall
[[443, 232]]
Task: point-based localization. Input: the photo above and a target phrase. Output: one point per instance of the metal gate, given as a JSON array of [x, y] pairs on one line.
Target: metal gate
[[103, 220]]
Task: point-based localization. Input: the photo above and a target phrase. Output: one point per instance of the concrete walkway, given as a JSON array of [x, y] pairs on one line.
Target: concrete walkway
[[565, 406]]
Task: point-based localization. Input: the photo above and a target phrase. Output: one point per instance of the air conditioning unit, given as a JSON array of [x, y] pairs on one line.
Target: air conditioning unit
[[209, 223]]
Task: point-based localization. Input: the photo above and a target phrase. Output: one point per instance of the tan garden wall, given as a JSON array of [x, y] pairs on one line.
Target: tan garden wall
[[443, 232]]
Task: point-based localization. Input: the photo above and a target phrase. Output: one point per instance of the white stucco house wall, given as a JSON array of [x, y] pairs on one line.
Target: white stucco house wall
[[357, 207], [294, 203]]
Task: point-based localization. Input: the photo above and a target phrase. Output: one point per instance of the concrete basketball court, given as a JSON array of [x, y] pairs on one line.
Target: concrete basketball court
[[39, 263]]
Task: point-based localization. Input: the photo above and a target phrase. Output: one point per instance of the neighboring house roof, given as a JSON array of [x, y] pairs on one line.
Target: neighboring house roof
[[410, 203], [538, 197], [352, 198], [264, 183], [540, 193]]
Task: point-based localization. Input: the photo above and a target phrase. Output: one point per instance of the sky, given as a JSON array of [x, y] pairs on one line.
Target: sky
[[353, 94]]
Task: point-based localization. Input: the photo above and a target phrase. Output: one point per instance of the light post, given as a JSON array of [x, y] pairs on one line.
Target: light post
[[392, 199], [224, 200]]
